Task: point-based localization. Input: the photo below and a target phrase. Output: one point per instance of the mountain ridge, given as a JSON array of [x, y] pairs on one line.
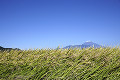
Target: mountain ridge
[[8, 49], [84, 45]]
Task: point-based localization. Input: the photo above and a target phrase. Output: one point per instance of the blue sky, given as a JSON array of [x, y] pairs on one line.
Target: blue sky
[[28, 24]]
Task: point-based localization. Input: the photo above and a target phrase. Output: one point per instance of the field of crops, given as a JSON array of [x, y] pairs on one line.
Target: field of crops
[[89, 63]]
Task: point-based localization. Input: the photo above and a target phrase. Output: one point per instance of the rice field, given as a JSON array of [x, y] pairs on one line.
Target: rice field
[[61, 64]]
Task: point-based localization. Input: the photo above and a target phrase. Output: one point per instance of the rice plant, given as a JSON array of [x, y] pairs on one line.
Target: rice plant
[[73, 64]]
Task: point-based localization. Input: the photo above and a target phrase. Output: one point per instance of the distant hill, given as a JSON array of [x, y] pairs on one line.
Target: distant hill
[[8, 49], [84, 45]]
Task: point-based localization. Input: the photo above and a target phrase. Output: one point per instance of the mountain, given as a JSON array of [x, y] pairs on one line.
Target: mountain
[[84, 45], [8, 49]]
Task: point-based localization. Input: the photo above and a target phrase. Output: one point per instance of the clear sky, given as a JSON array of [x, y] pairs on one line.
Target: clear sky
[[28, 24]]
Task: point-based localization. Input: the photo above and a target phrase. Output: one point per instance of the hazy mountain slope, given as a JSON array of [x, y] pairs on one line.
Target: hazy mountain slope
[[84, 45]]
